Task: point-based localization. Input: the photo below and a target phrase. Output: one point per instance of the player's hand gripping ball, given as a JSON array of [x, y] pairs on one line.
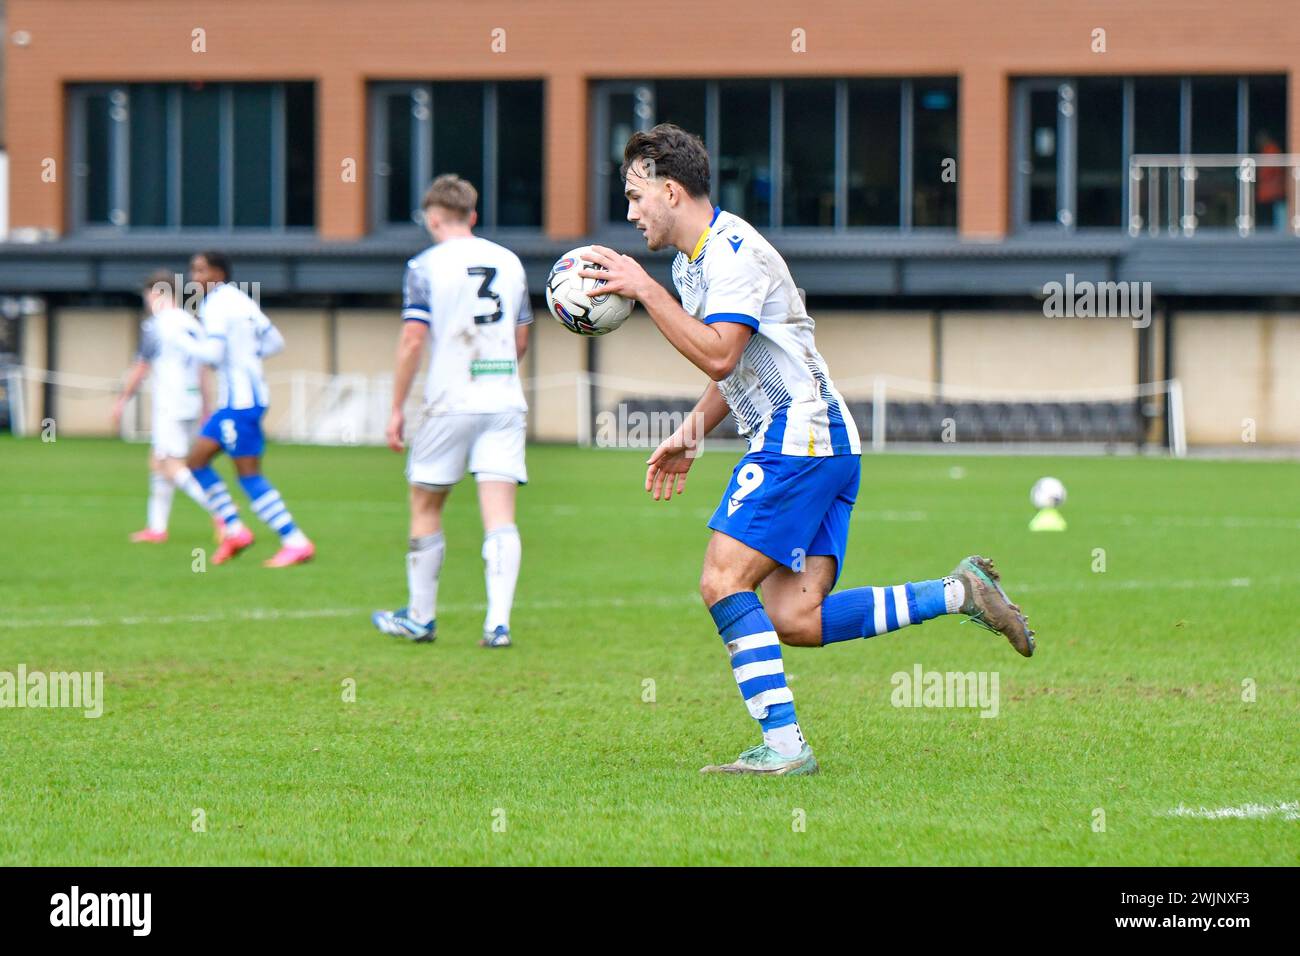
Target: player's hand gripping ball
[[567, 298]]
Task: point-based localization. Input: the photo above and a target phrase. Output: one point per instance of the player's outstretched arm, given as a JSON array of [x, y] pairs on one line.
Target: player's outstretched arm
[[269, 342], [713, 349], [409, 348], [133, 379], [210, 349], [666, 468]]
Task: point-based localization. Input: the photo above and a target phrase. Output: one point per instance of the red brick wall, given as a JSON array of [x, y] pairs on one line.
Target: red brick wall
[[342, 44]]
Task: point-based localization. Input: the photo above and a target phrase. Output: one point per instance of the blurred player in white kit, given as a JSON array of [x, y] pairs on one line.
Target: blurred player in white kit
[[177, 401]]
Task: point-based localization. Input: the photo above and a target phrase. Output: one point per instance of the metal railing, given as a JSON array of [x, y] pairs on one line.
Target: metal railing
[[1175, 176]]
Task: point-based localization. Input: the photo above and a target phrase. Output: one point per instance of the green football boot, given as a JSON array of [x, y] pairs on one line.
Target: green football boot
[[988, 606], [764, 760]]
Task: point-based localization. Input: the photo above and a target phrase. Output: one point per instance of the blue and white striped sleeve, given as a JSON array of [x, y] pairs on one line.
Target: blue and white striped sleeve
[[417, 298]]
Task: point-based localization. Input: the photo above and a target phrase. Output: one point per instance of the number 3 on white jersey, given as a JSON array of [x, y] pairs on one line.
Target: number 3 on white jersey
[[748, 478]]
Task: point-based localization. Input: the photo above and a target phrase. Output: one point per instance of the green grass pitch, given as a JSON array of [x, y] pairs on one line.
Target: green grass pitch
[[225, 689]]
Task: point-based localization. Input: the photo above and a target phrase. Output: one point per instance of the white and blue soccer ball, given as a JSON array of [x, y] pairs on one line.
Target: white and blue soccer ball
[[567, 299], [1047, 493]]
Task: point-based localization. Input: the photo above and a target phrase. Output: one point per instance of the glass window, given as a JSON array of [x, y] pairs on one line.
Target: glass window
[[150, 144], [458, 133], [745, 150], [1214, 115], [253, 145], [682, 103], [875, 118], [621, 127], [934, 134], [200, 156], [1041, 162], [98, 170], [1157, 109], [808, 176], [1214, 130], [428, 129], [519, 154], [300, 154], [1267, 106], [1101, 168], [397, 174], [1168, 116], [841, 142]]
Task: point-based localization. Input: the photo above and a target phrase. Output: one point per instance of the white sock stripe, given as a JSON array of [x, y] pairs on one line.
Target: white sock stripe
[[284, 519], [266, 499], [900, 605], [878, 608], [759, 703], [751, 641], [275, 510], [757, 669], [227, 511]]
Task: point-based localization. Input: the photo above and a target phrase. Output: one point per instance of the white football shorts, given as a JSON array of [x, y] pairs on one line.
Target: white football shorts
[[488, 445], [172, 437]]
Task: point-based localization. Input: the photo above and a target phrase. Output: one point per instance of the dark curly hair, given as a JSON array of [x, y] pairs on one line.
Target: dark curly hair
[[671, 153]]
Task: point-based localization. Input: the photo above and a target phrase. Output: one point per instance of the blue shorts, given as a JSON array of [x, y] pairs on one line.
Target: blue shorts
[[789, 507], [237, 430]]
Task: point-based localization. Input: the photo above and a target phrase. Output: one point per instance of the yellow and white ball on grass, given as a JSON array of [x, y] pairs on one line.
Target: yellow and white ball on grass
[[572, 307]]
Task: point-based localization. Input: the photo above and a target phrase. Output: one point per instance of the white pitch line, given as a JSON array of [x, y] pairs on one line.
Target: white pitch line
[[276, 614], [1247, 811], [670, 601]]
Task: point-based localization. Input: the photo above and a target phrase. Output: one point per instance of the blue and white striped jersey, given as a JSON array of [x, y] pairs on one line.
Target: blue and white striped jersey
[[780, 391], [229, 315]]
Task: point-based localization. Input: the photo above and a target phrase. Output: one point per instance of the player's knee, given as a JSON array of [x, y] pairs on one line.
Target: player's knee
[[795, 625], [715, 584]]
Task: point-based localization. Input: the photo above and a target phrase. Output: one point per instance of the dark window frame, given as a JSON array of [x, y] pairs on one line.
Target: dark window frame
[[599, 186], [119, 186], [1067, 150], [421, 174]]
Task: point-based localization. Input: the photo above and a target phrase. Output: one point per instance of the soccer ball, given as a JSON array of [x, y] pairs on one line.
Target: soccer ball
[[566, 297], [1047, 493]]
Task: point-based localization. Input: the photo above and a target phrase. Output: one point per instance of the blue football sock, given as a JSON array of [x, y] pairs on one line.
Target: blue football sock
[[756, 664], [267, 504], [218, 498], [866, 612]]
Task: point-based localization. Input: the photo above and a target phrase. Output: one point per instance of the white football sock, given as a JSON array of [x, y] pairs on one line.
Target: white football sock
[[954, 594], [294, 539], [787, 740], [502, 551], [423, 565], [160, 501], [186, 482]]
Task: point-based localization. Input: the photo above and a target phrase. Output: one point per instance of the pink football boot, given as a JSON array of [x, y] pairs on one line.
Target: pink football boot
[[232, 544], [288, 555]]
